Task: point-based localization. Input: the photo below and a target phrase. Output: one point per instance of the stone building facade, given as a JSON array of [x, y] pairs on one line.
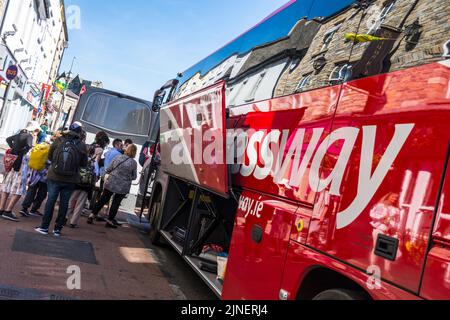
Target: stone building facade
[[62, 44], [30, 35], [427, 21]]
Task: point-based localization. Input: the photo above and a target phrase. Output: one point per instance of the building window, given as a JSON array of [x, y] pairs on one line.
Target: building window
[[252, 94], [329, 36], [447, 49], [304, 82], [378, 20], [340, 73], [294, 64]]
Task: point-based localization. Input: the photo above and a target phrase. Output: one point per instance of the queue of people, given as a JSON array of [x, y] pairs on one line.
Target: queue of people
[[65, 169]]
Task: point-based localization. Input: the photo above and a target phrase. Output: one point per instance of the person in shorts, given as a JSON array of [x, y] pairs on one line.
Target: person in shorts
[[12, 188]]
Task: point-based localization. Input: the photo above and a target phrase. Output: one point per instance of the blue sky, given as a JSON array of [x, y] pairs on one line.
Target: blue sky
[[135, 46]]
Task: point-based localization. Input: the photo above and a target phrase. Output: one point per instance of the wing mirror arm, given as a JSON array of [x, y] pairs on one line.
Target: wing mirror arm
[[158, 99]]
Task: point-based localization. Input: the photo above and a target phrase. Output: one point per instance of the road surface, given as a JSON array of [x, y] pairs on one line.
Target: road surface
[[109, 264]]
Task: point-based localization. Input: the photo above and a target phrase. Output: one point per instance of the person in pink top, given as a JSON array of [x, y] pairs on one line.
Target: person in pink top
[[385, 220]]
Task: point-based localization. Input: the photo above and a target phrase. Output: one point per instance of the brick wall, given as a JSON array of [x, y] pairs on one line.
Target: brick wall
[[432, 15]]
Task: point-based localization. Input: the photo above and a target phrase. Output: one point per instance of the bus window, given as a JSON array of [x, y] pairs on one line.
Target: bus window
[[248, 55], [118, 115], [326, 61], [271, 59]]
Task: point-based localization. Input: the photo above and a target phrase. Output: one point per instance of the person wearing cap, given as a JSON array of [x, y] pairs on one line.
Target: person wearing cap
[[43, 134], [68, 155], [12, 188]]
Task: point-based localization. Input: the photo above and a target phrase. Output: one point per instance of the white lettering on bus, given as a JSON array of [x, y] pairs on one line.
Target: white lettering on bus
[[250, 207], [368, 182], [262, 154]]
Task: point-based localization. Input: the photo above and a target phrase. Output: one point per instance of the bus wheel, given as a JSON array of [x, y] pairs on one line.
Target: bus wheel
[[155, 236], [339, 294]]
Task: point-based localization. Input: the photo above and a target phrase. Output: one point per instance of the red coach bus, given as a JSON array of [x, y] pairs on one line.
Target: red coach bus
[[312, 155]]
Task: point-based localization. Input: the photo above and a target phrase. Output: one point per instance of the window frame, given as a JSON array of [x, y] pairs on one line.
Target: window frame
[[304, 81], [252, 93], [387, 8], [329, 35], [340, 67], [100, 126]]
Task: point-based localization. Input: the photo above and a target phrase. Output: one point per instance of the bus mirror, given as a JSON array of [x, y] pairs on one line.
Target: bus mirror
[[160, 95], [158, 101]]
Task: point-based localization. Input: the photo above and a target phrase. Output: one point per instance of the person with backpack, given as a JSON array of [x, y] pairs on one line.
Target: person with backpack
[[68, 155], [120, 175], [20, 144], [96, 151], [85, 187], [35, 177], [98, 148]]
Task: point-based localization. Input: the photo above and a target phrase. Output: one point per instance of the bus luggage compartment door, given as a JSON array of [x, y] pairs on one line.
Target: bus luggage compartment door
[[258, 248], [193, 138]]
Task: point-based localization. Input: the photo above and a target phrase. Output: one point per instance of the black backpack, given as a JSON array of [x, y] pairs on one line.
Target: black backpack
[[66, 161]]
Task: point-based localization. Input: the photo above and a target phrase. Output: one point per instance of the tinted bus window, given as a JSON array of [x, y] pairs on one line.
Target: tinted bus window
[[272, 58], [119, 115], [276, 27]]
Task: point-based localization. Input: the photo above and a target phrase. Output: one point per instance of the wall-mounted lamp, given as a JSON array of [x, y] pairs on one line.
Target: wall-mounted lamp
[[413, 32], [319, 63]]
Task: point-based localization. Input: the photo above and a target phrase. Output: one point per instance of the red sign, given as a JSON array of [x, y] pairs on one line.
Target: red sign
[[12, 72], [83, 90], [30, 97], [46, 89]]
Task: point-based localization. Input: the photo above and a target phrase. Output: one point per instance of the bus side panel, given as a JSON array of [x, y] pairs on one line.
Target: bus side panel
[[391, 182], [193, 137], [258, 248], [302, 260], [280, 132], [436, 281]]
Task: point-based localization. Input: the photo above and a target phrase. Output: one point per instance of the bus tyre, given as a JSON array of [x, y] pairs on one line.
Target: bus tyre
[[339, 294], [155, 236]]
